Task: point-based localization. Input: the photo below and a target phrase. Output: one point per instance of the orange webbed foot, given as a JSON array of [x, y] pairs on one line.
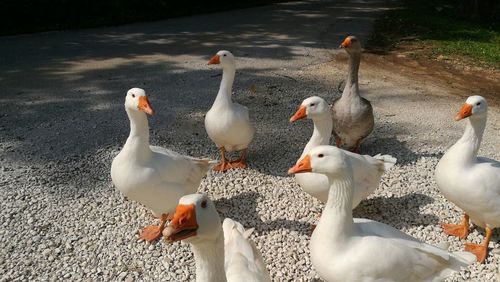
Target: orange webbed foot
[[222, 167], [457, 230], [480, 250], [151, 233], [239, 164]]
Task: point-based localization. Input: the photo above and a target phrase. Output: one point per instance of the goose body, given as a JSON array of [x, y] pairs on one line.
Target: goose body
[[227, 123], [347, 249], [471, 182], [243, 262], [222, 252], [367, 170], [352, 114], [153, 176]]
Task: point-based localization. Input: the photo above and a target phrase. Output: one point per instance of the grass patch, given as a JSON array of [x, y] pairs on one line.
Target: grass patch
[[434, 23]]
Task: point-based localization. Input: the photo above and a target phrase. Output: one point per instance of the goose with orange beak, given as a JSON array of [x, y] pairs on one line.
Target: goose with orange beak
[[153, 176], [227, 123], [352, 114], [343, 248], [367, 170], [221, 252], [471, 182]]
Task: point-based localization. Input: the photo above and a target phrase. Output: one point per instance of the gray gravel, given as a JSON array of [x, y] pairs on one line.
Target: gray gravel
[[62, 122]]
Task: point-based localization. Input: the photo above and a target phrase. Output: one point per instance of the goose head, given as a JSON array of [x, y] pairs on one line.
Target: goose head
[[195, 220], [136, 100], [224, 58], [325, 159], [311, 108], [475, 106], [351, 44]]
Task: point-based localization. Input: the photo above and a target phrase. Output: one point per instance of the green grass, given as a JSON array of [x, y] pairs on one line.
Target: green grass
[[441, 30]]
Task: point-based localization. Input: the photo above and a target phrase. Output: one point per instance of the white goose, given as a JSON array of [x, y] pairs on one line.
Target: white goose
[[367, 170], [153, 176], [347, 249], [222, 253], [471, 182], [228, 123], [352, 114]]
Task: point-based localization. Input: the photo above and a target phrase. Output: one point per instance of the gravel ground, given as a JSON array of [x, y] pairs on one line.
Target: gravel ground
[[63, 121]]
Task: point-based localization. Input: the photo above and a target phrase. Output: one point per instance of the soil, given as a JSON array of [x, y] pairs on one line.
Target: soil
[[462, 76]]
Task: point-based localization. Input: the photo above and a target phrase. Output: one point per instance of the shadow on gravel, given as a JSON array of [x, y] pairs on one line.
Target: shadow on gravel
[[243, 208], [398, 212], [391, 146]]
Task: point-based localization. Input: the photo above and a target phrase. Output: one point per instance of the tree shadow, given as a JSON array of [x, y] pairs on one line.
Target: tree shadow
[[62, 92]]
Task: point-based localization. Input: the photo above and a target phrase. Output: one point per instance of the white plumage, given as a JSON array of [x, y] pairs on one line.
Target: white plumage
[[227, 123], [471, 182], [347, 249], [222, 252], [153, 176], [367, 170], [243, 261]]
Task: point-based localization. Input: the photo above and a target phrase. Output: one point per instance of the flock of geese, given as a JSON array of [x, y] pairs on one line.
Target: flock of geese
[[342, 248]]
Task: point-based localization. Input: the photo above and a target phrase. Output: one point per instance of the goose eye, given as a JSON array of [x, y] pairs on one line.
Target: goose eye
[[312, 105], [478, 103], [204, 204], [224, 55], [133, 95], [320, 155]]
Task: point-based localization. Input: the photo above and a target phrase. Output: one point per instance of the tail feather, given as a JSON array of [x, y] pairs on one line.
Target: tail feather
[[203, 164], [457, 260], [465, 258], [245, 260], [388, 161], [198, 171]]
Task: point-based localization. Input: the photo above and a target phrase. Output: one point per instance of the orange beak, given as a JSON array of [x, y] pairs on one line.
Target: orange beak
[[215, 60], [300, 114], [303, 165], [465, 111], [145, 106], [346, 43], [183, 225]]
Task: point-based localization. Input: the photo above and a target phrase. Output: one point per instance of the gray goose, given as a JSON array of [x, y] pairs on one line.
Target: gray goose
[[352, 114]]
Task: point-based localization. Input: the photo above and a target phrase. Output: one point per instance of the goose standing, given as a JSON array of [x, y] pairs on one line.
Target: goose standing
[[153, 176], [228, 123], [471, 182], [367, 170], [352, 114], [347, 249], [222, 253]]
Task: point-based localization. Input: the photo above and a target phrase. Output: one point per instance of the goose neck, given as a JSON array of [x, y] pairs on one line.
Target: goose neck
[[209, 258], [352, 86], [468, 145], [336, 220], [323, 126], [138, 141], [226, 85]]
